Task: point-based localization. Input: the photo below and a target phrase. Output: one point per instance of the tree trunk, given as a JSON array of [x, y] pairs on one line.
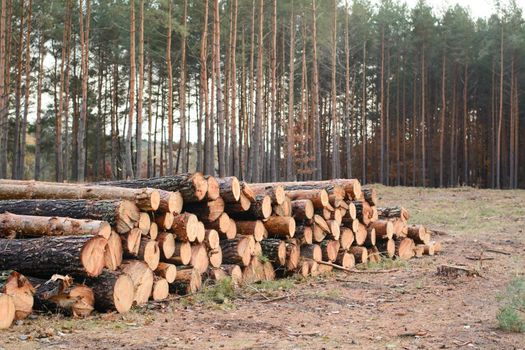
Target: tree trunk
[[170, 92], [140, 92], [290, 125], [315, 98]]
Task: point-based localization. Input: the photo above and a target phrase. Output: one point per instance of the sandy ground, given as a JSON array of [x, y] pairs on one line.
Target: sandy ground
[[409, 307]]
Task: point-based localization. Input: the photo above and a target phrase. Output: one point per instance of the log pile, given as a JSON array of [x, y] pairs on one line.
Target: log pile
[[75, 248]]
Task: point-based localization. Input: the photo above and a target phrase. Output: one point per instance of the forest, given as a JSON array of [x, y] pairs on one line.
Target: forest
[[265, 90]]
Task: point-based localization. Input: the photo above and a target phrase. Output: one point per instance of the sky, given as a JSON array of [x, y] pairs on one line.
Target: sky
[[478, 8]]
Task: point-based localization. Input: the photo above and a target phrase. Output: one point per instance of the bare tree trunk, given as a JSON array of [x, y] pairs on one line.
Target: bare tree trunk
[[465, 128], [235, 166], [218, 82], [21, 160], [84, 44], [202, 160], [363, 118], [348, 124], [18, 94], [423, 117], [336, 161], [257, 158], [290, 125], [3, 107], [500, 121], [170, 93], [131, 115], [382, 108], [67, 73], [182, 93], [315, 98], [140, 93], [38, 125], [442, 121], [6, 54], [273, 107]]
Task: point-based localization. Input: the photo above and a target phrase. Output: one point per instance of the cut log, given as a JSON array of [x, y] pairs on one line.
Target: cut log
[[384, 229], [283, 209], [419, 250], [221, 225], [164, 220], [280, 226], [335, 229], [405, 248], [304, 268], [7, 310], [318, 233], [238, 251], [213, 192], [321, 222], [149, 252], [314, 267], [166, 242], [192, 186], [206, 211], [352, 187], [370, 196], [255, 228], [12, 226], [147, 199], [114, 252], [188, 281], [142, 278], [161, 289], [352, 224], [345, 259], [394, 212], [59, 294], [230, 189], [293, 255], [257, 249], [269, 271], [302, 209], [418, 234], [351, 212], [363, 211], [254, 272], [182, 254], [387, 247], [274, 250], [370, 240], [167, 271], [131, 242], [361, 234], [21, 290], [360, 254], [144, 223], [330, 249], [170, 202], [43, 257], [374, 255], [113, 290], [312, 251], [400, 227], [304, 234], [241, 206], [324, 268], [122, 215], [153, 230], [275, 191], [318, 197], [375, 214], [247, 191], [215, 257], [346, 238], [199, 258], [428, 249], [212, 239], [261, 208], [200, 232], [234, 271], [437, 247], [232, 230], [185, 227]]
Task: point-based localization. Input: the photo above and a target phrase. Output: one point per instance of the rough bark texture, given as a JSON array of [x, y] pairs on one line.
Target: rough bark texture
[[114, 290]]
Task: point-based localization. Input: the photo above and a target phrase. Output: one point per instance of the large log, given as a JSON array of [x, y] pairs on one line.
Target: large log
[[312, 251], [215, 256], [149, 252], [182, 254], [387, 247], [225, 271], [122, 215], [370, 195], [346, 238], [238, 251], [213, 192], [184, 227], [166, 243], [114, 252], [230, 189], [206, 211], [144, 223], [260, 208], [274, 190], [394, 212], [274, 250], [330, 249], [12, 225], [167, 271], [293, 255], [192, 186], [419, 234], [405, 248], [199, 258], [113, 290], [212, 239], [255, 228], [384, 229], [188, 281], [360, 254], [283, 209], [280, 226], [43, 257], [147, 199], [161, 289], [221, 225], [345, 259], [170, 201], [318, 197], [302, 209], [60, 294], [7, 310], [21, 290], [304, 234], [142, 278], [131, 242]]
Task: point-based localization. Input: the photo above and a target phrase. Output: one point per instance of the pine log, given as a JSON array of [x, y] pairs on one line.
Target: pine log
[[213, 192], [335, 229], [274, 191], [312, 251], [255, 228], [346, 238], [363, 211], [321, 222], [170, 202], [345, 259], [304, 234], [318, 233], [374, 255], [114, 252], [59, 294], [146, 199], [260, 208], [122, 215], [352, 224], [12, 226], [351, 212], [185, 227], [239, 207], [360, 254], [113, 290], [199, 258], [400, 227], [221, 225], [182, 254], [329, 249], [257, 249], [231, 233], [192, 186], [149, 252], [234, 271], [387, 247], [283, 209], [428, 249], [43, 257], [254, 272], [375, 214], [238, 250], [167, 271], [200, 232], [293, 255], [215, 257], [166, 243], [437, 247], [370, 196], [247, 191], [324, 268], [164, 220], [188, 281], [153, 230], [304, 268], [302, 209], [142, 278], [7, 310], [384, 229], [21, 290], [161, 289], [318, 197], [418, 234], [230, 189], [131, 242], [361, 234], [394, 212], [280, 226], [405, 248], [212, 239], [206, 211], [274, 250], [144, 223], [314, 267], [370, 240], [419, 250]]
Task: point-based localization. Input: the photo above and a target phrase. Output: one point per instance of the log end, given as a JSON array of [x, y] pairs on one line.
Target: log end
[[92, 255]]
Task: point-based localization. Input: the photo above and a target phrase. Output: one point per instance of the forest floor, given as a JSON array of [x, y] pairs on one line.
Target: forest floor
[[409, 307]]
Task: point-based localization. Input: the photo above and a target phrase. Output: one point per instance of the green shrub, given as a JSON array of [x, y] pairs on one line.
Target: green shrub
[[511, 314]]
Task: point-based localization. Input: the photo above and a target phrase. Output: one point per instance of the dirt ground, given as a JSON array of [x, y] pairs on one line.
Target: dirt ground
[[409, 307]]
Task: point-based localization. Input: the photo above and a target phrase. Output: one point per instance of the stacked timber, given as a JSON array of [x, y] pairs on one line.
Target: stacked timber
[[75, 248]]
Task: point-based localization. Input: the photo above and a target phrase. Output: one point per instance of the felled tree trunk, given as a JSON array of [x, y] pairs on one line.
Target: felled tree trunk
[[113, 290], [21, 290]]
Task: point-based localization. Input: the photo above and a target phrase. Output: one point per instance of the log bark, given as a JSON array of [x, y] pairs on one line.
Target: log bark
[[345, 259], [206, 211], [43, 257], [312, 251], [221, 225], [12, 225], [394, 212], [238, 251], [131, 242], [370, 237], [113, 290], [387, 247], [215, 257], [21, 290], [384, 229], [280, 226], [164, 220], [405, 248], [122, 215], [274, 250], [192, 186], [230, 189], [418, 234], [302, 209], [213, 191], [188, 281], [370, 196], [184, 227], [170, 202], [146, 199], [351, 224], [319, 197], [274, 190], [252, 228], [260, 208], [167, 271], [142, 278], [225, 271], [330, 249]]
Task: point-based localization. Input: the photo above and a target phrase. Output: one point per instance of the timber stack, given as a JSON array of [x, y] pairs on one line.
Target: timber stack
[[75, 248]]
